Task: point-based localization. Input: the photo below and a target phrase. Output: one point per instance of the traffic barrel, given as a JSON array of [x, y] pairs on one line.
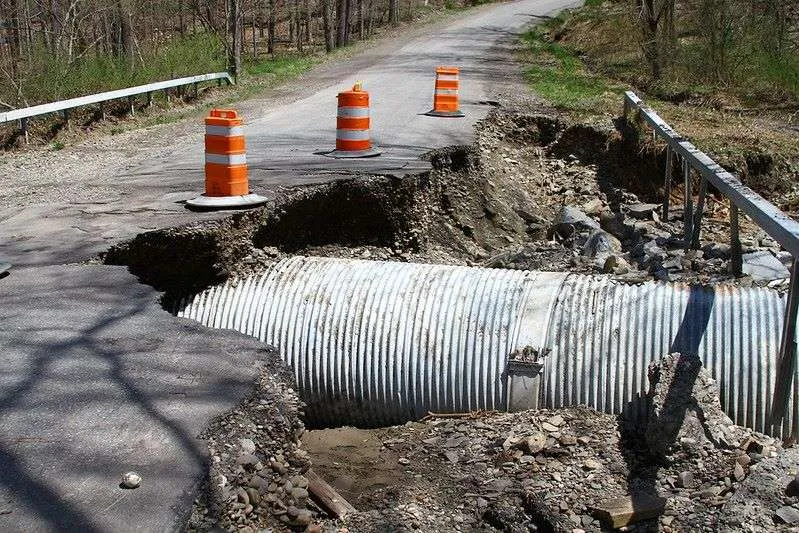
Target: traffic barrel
[[352, 125], [445, 99], [226, 182]]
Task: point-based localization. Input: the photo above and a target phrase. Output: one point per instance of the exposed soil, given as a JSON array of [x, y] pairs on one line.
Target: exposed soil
[[686, 468]]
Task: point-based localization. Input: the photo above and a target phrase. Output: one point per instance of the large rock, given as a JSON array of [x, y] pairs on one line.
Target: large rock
[[685, 413], [762, 266], [571, 220], [601, 244]]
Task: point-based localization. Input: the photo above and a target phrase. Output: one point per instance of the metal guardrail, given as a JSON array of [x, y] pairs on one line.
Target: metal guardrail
[[769, 217], [22, 115]]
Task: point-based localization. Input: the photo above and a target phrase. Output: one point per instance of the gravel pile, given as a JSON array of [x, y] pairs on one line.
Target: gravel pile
[[257, 464], [572, 469]]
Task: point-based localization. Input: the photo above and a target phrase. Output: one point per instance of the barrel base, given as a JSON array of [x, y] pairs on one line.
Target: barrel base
[[226, 202], [4, 267], [449, 114], [352, 154]]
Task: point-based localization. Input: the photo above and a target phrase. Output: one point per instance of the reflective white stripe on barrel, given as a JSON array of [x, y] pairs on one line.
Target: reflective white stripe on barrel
[[446, 91], [353, 112], [232, 159], [447, 77], [352, 135], [224, 131]]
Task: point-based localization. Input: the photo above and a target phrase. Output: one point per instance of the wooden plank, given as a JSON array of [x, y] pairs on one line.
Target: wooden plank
[[620, 512], [327, 497]]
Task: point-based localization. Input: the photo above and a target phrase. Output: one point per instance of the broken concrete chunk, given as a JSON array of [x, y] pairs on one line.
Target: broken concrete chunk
[[642, 211], [571, 220], [685, 412], [788, 515], [738, 472], [546, 426], [601, 243], [686, 480], [620, 512], [593, 207], [762, 266], [536, 442]]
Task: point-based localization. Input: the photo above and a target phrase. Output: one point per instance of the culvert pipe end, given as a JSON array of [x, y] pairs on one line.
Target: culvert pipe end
[[378, 343]]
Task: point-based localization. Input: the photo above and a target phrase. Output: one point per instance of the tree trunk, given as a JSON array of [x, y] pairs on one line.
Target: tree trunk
[[360, 20], [234, 38], [341, 32], [298, 25], [270, 28], [127, 46], [327, 26], [393, 12]]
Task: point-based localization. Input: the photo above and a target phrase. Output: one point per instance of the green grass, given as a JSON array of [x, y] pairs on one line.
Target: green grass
[[281, 66], [50, 79], [558, 75]]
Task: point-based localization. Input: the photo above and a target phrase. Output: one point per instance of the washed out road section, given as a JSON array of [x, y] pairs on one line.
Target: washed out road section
[[66, 206]]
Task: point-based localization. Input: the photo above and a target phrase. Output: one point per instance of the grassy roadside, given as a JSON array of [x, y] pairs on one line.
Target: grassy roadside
[[582, 61]]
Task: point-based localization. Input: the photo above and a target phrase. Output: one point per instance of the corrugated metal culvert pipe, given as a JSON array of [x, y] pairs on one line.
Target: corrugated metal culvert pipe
[[376, 343]]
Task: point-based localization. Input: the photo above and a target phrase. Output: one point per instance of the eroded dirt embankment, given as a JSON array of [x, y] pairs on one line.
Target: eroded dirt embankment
[[533, 192]]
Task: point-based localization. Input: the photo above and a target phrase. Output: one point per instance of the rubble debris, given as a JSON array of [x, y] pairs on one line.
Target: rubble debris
[[685, 414]]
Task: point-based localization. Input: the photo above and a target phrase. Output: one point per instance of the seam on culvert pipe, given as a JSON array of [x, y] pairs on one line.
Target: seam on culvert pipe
[[375, 343]]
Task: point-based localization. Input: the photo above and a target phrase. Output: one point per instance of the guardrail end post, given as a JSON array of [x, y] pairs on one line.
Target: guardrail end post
[[688, 214], [667, 182], [23, 127], [736, 260], [786, 363], [700, 207]]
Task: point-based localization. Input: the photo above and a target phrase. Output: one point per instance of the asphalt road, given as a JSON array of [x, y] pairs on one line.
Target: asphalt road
[[66, 206], [96, 378]]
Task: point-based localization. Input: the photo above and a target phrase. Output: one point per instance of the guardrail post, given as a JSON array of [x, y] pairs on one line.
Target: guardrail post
[[667, 198], [688, 214], [196, 89], [149, 99], [131, 104], [736, 261], [65, 114], [166, 94], [23, 127], [786, 364], [700, 207]]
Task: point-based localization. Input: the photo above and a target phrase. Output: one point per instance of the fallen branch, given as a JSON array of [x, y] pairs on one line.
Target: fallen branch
[[327, 497], [471, 414]]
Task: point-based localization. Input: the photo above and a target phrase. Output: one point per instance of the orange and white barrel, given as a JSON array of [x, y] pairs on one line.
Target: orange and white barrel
[[352, 125], [445, 99], [225, 154], [226, 173]]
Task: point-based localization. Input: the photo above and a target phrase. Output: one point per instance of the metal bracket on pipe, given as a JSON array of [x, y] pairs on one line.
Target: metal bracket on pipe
[[524, 385]]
